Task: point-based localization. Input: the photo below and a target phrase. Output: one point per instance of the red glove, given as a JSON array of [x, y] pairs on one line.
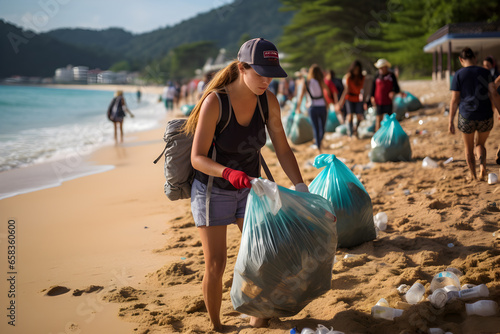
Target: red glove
[[237, 178]]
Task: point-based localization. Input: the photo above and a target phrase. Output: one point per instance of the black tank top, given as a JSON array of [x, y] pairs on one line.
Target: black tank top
[[238, 147]]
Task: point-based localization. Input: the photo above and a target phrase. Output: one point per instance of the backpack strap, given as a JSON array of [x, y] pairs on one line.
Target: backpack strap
[[309, 92], [264, 112]]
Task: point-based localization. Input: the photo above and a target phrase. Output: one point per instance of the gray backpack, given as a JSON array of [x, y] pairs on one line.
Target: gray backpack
[[179, 172]]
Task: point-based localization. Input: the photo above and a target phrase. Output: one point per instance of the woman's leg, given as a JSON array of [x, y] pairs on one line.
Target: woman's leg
[[254, 321], [318, 120], [480, 151], [350, 110], [116, 130], [469, 153], [121, 131], [213, 240]]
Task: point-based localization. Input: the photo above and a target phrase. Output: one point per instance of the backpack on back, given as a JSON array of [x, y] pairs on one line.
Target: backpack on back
[[179, 172]]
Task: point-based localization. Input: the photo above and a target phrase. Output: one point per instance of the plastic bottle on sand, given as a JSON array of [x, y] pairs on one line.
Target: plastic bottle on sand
[[382, 302], [380, 221], [475, 292], [415, 294], [443, 279], [439, 298], [387, 313], [429, 163], [485, 308]]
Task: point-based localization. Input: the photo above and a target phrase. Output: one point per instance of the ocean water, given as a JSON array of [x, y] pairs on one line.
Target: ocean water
[[40, 126]]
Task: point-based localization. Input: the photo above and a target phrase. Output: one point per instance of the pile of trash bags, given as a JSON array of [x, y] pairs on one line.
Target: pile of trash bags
[[366, 128], [287, 249], [390, 142], [351, 202]]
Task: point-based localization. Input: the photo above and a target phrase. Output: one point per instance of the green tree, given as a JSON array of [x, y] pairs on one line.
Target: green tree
[[330, 33], [120, 66]]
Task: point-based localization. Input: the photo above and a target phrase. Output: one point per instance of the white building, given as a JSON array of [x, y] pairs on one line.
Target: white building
[[106, 77], [64, 74], [80, 74]]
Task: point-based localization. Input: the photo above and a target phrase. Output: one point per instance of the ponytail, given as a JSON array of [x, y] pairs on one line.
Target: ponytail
[[221, 79]]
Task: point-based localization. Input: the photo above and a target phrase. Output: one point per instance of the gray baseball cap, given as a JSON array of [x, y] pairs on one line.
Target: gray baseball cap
[[263, 56]]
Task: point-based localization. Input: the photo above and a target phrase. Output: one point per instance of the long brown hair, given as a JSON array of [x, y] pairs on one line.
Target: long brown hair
[[356, 77], [221, 79], [316, 73]]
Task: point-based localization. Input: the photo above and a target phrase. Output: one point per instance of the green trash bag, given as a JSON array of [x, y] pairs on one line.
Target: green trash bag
[[351, 202], [186, 109], [332, 121], [301, 130], [412, 102], [390, 142], [286, 254], [399, 108]]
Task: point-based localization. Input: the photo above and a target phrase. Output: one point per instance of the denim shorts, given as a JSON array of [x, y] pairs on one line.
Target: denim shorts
[[381, 110], [354, 107], [225, 205]]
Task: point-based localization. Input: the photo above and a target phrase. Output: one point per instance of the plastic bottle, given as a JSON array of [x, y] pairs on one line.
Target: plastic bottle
[[475, 292], [380, 221], [388, 313], [443, 279], [485, 308], [415, 294], [429, 163], [307, 330], [323, 330], [439, 298], [492, 178]]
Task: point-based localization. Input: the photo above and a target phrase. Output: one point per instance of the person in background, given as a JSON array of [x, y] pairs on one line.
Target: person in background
[[331, 96], [116, 112], [385, 87], [352, 96], [138, 94], [490, 64], [314, 84], [169, 96], [243, 80], [473, 92]]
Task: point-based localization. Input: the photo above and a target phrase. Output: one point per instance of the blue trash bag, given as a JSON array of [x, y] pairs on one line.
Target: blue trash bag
[[352, 204], [186, 109], [288, 123], [287, 250], [390, 142], [399, 107], [332, 121], [412, 102], [301, 130]]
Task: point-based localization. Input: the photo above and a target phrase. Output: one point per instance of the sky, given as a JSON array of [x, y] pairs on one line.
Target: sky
[[136, 16]]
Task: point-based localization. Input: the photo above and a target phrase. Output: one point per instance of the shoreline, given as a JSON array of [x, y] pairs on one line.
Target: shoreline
[[105, 87]]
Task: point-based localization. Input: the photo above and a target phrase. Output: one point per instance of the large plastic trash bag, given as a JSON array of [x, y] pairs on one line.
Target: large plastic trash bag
[[286, 253], [412, 102], [399, 108], [186, 109], [301, 130], [332, 121], [352, 204], [390, 142]]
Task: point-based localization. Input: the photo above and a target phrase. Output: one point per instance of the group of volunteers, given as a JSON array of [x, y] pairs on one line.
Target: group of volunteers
[[244, 83]]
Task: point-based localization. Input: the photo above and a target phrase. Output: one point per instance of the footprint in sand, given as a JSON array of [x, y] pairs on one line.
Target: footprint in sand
[[90, 289]]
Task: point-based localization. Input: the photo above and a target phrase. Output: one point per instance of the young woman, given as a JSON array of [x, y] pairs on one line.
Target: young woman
[[238, 146], [116, 112], [353, 95], [315, 85], [472, 92]]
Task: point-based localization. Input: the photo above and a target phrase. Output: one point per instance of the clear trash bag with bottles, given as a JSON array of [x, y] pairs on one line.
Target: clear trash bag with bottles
[[286, 253]]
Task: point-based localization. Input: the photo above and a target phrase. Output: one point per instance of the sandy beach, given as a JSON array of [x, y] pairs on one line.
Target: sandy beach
[[109, 253]]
